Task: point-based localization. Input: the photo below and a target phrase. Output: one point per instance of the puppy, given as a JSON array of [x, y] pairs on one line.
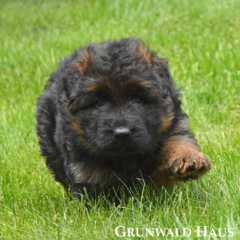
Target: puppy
[[110, 115]]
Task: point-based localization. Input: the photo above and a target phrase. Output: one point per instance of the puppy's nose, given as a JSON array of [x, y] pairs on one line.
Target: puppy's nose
[[121, 132]]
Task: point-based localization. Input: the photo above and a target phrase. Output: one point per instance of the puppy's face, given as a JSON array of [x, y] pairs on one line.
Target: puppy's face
[[119, 102]]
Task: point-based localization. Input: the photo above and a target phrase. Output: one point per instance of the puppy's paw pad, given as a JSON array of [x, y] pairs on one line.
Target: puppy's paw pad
[[190, 166]]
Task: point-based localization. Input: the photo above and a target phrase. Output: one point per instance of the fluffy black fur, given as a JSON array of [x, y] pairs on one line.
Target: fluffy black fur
[[106, 115]]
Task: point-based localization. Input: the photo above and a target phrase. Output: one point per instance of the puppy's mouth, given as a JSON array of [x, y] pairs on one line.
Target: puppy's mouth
[[126, 146], [122, 147]]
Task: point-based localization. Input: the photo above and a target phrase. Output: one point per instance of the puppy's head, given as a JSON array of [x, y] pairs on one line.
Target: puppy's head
[[122, 98]]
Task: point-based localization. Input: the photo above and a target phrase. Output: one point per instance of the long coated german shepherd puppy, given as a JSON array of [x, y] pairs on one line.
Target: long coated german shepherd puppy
[[110, 115]]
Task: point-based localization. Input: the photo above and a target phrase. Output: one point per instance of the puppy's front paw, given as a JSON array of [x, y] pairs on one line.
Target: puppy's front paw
[[188, 166], [180, 162]]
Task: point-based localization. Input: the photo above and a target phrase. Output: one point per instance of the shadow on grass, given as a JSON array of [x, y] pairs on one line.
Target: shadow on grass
[[145, 197]]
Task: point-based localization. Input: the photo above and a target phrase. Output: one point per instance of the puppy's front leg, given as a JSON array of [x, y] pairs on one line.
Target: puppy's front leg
[[180, 158]]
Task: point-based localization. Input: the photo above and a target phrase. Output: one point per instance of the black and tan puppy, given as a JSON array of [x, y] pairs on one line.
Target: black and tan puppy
[[110, 115]]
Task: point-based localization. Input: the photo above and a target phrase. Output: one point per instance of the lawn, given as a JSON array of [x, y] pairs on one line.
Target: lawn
[[200, 39]]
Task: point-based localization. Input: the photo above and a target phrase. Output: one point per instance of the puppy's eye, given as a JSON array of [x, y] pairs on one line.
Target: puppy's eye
[[99, 103]]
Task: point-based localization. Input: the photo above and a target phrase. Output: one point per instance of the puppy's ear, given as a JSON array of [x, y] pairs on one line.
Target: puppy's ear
[[168, 87], [160, 64], [87, 58]]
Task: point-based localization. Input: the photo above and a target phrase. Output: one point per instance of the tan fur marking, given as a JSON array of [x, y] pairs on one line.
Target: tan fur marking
[[166, 122], [179, 145], [140, 84], [94, 87], [113, 88], [84, 62], [77, 127], [144, 53], [181, 159], [91, 176], [102, 81], [135, 84]]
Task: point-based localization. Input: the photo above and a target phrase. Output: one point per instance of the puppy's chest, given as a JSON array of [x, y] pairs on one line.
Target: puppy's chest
[[126, 173]]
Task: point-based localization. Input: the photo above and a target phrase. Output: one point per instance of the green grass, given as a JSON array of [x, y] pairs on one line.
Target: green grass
[[200, 39]]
